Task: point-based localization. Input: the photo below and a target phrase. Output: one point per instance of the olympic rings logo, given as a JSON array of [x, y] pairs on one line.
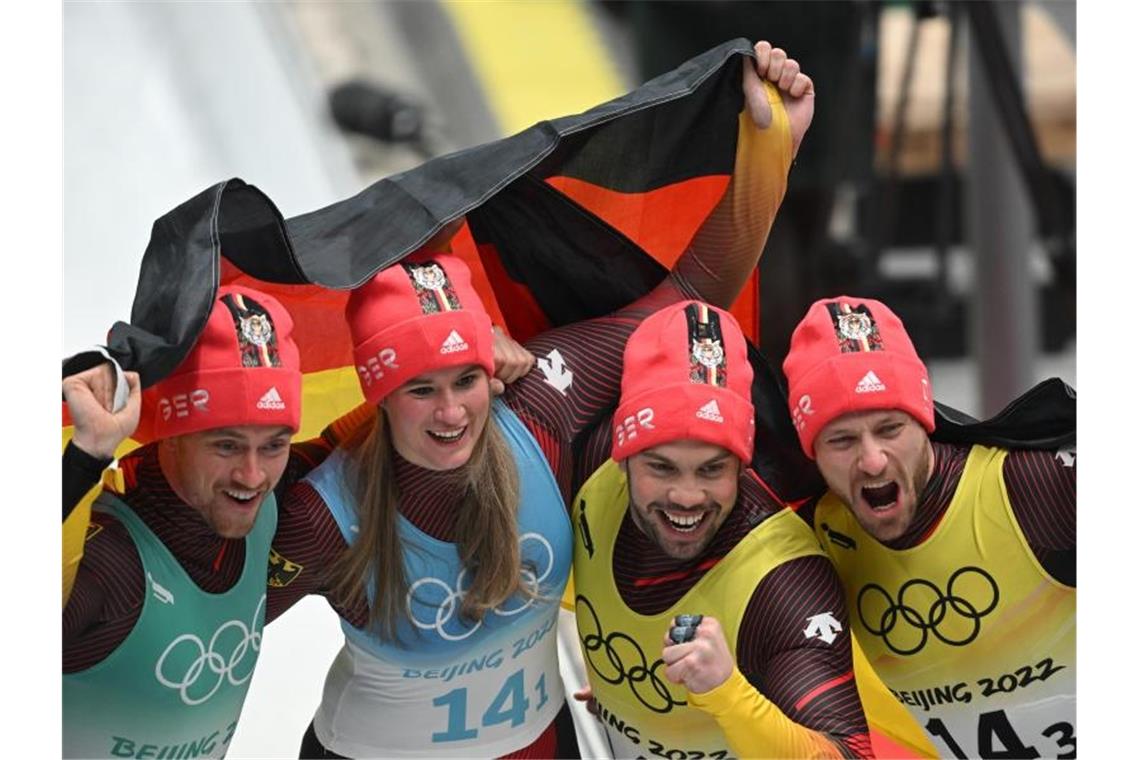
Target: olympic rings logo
[[638, 671], [436, 594], [922, 608], [222, 668]]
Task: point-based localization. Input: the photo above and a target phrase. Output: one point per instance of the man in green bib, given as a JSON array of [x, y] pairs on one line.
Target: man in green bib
[[162, 628], [958, 560]]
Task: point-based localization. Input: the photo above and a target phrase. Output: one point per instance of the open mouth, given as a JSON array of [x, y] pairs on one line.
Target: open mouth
[[881, 496], [684, 522], [242, 497], [448, 438]]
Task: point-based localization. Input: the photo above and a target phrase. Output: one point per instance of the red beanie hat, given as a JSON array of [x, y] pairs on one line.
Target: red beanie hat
[[418, 315], [853, 355], [686, 376], [244, 369]]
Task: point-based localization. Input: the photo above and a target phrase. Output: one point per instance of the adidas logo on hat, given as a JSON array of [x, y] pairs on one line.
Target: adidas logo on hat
[[453, 343], [870, 384], [711, 412], [271, 400]]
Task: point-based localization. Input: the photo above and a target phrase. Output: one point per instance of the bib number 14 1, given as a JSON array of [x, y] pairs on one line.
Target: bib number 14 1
[[508, 706], [997, 739]]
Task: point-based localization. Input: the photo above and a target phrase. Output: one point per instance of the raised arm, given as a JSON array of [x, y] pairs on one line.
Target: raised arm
[[578, 373], [779, 103], [99, 429]]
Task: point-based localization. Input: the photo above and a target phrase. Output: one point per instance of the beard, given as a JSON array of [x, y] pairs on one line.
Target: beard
[[675, 547]]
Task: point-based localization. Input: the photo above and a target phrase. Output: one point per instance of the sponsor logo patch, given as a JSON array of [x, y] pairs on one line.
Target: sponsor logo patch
[[823, 626], [453, 343], [711, 412], [555, 371], [870, 384], [271, 400], [430, 277], [161, 593]]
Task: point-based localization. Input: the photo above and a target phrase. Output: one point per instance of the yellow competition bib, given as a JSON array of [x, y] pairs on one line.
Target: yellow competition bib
[[967, 630], [643, 713]]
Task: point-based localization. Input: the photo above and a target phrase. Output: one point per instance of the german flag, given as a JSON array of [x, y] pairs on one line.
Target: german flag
[[566, 220]]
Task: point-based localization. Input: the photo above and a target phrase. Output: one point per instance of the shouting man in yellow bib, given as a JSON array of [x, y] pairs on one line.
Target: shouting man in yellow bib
[[958, 561]]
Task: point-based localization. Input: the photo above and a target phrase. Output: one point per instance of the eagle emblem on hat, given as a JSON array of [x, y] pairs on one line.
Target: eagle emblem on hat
[[708, 352], [253, 327], [433, 289], [854, 326], [707, 361], [430, 277], [257, 329]]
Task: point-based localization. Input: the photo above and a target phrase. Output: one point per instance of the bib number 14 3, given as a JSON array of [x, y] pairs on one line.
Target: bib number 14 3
[[997, 739]]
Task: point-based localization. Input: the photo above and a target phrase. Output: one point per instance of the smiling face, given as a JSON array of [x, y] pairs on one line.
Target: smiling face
[[224, 474], [680, 494], [878, 463], [436, 418]]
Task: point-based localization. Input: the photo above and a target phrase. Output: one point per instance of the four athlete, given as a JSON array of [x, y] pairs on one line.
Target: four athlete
[[441, 527]]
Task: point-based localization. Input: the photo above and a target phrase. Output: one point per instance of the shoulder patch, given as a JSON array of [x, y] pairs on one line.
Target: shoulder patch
[[282, 572]]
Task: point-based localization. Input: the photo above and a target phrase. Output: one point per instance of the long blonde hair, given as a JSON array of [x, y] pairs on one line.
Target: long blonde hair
[[486, 529]]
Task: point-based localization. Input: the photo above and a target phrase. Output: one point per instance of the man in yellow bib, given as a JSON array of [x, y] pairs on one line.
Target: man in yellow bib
[[958, 561], [710, 622]]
